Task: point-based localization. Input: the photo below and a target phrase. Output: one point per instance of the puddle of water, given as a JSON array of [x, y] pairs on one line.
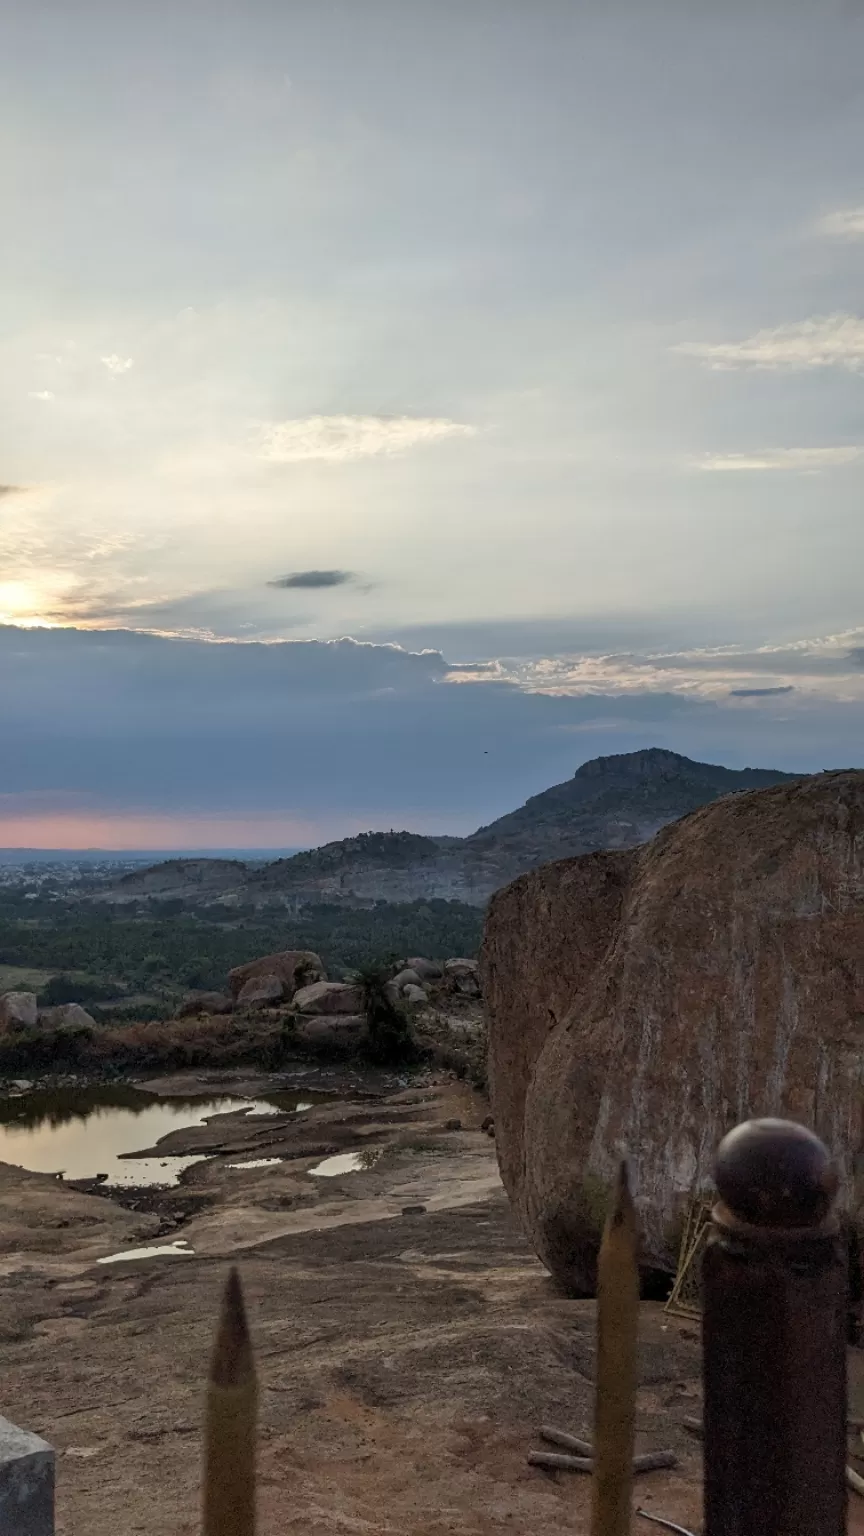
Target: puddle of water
[[82, 1132], [347, 1162], [176, 1250], [257, 1162]]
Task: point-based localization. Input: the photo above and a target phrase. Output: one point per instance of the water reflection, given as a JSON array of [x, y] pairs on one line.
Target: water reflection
[[347, 1162], [179, 1249], [83, 1132]]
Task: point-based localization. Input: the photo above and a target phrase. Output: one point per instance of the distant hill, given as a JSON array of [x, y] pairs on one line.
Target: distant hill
[[614, 802], [610, 802]]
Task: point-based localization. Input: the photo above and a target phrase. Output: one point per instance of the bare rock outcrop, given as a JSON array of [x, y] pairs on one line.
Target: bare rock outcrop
[[640, 1003], [66, 1016], [329, 997], [18, 1010], [265, 991], [296, 967]]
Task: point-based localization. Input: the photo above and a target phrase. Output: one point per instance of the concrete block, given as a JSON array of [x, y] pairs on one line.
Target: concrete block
[[26, 1483]]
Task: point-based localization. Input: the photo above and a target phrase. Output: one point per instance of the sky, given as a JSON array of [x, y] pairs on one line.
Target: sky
[[401, 403]]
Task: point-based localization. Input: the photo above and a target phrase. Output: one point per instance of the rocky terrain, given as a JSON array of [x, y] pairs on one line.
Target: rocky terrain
[[408, 1343], [611, 802], [642, 1002]]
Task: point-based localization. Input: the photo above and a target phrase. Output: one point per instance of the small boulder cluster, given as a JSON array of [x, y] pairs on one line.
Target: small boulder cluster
[[297, 978], [421, 981], [20, 1011]]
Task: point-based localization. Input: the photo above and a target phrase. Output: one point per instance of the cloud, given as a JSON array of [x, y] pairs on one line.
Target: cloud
[[347, 735], [116, 364], [12, 490], [313, 579], [825, 341], [826, 666], [339, 439], [759, 693], [41, 394], [796, 460], [847, 223]]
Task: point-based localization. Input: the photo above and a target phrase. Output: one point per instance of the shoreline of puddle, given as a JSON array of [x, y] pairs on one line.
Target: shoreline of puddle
[[97, 1133]]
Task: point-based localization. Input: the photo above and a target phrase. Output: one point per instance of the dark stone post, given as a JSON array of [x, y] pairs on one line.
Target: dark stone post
[[774, 1339]]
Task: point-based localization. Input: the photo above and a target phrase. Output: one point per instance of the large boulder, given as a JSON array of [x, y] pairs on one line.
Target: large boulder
[[18, 1010], [416, 995], [66, 1016], [641, 1003], [427, 970], [263, 992], [297, 968], [204, 1002], [406, 978], [329, 997]]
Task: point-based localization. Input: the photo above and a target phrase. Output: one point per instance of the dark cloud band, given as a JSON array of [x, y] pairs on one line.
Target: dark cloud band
[[307, 579]]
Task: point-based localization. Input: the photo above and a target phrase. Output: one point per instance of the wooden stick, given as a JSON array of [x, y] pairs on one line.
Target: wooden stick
[[668, 1525], [615, 1393], [652, 1461], [560, 1463], [230, 1423], [569, 1442]]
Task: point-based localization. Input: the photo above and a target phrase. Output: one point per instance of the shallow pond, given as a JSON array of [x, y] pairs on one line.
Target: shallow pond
[[83, 1132]]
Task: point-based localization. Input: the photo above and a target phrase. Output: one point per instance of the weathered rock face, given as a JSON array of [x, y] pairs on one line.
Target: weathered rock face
[[66, 1016], [263, 992], [18, 1010], [329, 997], [642, 1003], [297, 968]]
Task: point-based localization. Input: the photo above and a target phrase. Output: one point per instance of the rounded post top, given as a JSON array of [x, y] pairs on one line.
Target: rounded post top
[[774, 1173]]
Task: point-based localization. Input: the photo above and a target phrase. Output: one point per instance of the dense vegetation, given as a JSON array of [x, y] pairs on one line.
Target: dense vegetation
[[96, 953]]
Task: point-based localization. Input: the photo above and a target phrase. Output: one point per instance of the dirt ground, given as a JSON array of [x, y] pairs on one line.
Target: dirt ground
[[406, 1361]]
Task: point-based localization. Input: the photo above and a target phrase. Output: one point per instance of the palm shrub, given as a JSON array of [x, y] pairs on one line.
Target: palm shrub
[[389, 1030]]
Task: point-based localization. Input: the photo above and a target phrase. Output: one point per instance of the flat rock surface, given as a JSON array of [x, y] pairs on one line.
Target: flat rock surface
[[406, 1362]]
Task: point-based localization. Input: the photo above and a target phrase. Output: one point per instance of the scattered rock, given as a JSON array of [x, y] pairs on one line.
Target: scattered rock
[[452, 1125], [18, 1010], [262, 992], [329, 997], [641, 1002], [488, 1124], [413, 1210], [204, 1002], [66, 1016], [296, 967]]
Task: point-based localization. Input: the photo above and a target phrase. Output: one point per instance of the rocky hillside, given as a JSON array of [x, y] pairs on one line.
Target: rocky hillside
[[611, 802]]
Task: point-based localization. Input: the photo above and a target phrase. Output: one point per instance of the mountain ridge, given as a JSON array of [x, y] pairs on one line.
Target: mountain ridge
[[614, 801]]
